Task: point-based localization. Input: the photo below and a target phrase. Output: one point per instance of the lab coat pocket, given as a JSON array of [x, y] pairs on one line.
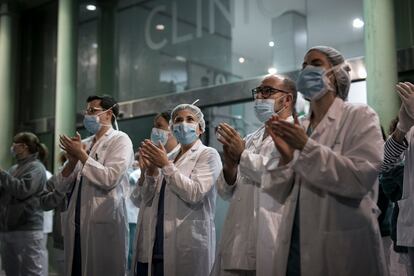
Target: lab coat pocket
[[103, 210]]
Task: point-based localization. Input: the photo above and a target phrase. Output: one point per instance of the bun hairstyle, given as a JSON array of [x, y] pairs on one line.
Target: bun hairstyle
[[31, 141]]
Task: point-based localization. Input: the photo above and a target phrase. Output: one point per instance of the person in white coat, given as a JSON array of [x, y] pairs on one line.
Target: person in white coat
[[160, 133], [183, 194], [400, 146], [249, 233], [326, 176], [94, 181]]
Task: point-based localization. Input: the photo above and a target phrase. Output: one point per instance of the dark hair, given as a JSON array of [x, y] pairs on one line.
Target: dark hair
[[31, 141], [166, 115], [106, 102], [43, 154]]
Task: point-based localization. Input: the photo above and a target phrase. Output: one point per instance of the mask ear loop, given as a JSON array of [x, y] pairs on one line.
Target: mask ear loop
[[115, 122], [333, 69]]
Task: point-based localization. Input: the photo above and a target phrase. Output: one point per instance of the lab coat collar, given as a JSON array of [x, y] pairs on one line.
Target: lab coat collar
[[106, 134], [335, 110], [196, 145], [334, 113]]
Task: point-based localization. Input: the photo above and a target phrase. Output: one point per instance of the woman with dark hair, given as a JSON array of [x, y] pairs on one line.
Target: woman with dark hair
[[160, 134], [21, 218]]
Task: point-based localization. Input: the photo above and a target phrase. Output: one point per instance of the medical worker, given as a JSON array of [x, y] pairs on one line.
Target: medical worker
[[250, 230], [94, 182], [160, 133], [183, 194], [327, 177]]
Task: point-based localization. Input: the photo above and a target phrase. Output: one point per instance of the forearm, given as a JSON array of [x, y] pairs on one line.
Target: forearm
[[230, 173], [68, 169], [393, 149]]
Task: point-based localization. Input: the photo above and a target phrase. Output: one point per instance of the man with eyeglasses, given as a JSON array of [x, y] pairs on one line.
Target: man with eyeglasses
[[95, 225], [249, 234]]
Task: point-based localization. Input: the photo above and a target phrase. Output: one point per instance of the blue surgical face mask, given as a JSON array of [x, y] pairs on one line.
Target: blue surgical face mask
[[312, 82], [91, 123], [264, 109], [159, 135], [185, 133]]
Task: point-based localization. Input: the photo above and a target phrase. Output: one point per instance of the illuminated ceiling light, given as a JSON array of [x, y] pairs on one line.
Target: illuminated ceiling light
[[95, 45], [271, 43], [362, 73], [272, 70], [357, 23], [241, 59], [160, 27], [91, 7], [181, 58]]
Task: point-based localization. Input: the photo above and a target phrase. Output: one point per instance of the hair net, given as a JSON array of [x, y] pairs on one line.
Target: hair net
[[193, 109], [341, 71]]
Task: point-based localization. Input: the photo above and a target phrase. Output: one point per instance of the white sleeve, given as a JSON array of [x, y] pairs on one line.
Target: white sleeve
[[203, 178]]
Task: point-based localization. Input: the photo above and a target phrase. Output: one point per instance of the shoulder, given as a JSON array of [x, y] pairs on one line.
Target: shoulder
[[37, 166], [209, 151], [358, 109], [360, 112], [121, 137]]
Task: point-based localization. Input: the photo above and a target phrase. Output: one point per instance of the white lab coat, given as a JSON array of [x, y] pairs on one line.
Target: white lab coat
[[249, 233], [104, 223], [189, 202], [405, 221], [335, 172], [142, 235]]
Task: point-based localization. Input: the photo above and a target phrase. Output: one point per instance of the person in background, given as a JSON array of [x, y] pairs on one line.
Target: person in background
[[391, 181], [21, 218], [250, 230], [47, 215], [396, 171], [93, 182], [58, 260], [327, 177], [132, 210], [160, 134], [181, 191]]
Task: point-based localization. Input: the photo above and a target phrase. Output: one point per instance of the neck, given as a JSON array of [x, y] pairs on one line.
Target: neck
[[101, 132], [285, 114], [171, 144], [185, 148], [320, 108], [22, 155]]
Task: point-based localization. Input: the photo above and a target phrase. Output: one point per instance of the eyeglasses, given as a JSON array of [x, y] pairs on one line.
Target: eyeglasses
[[92, 110], [266, 91]]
